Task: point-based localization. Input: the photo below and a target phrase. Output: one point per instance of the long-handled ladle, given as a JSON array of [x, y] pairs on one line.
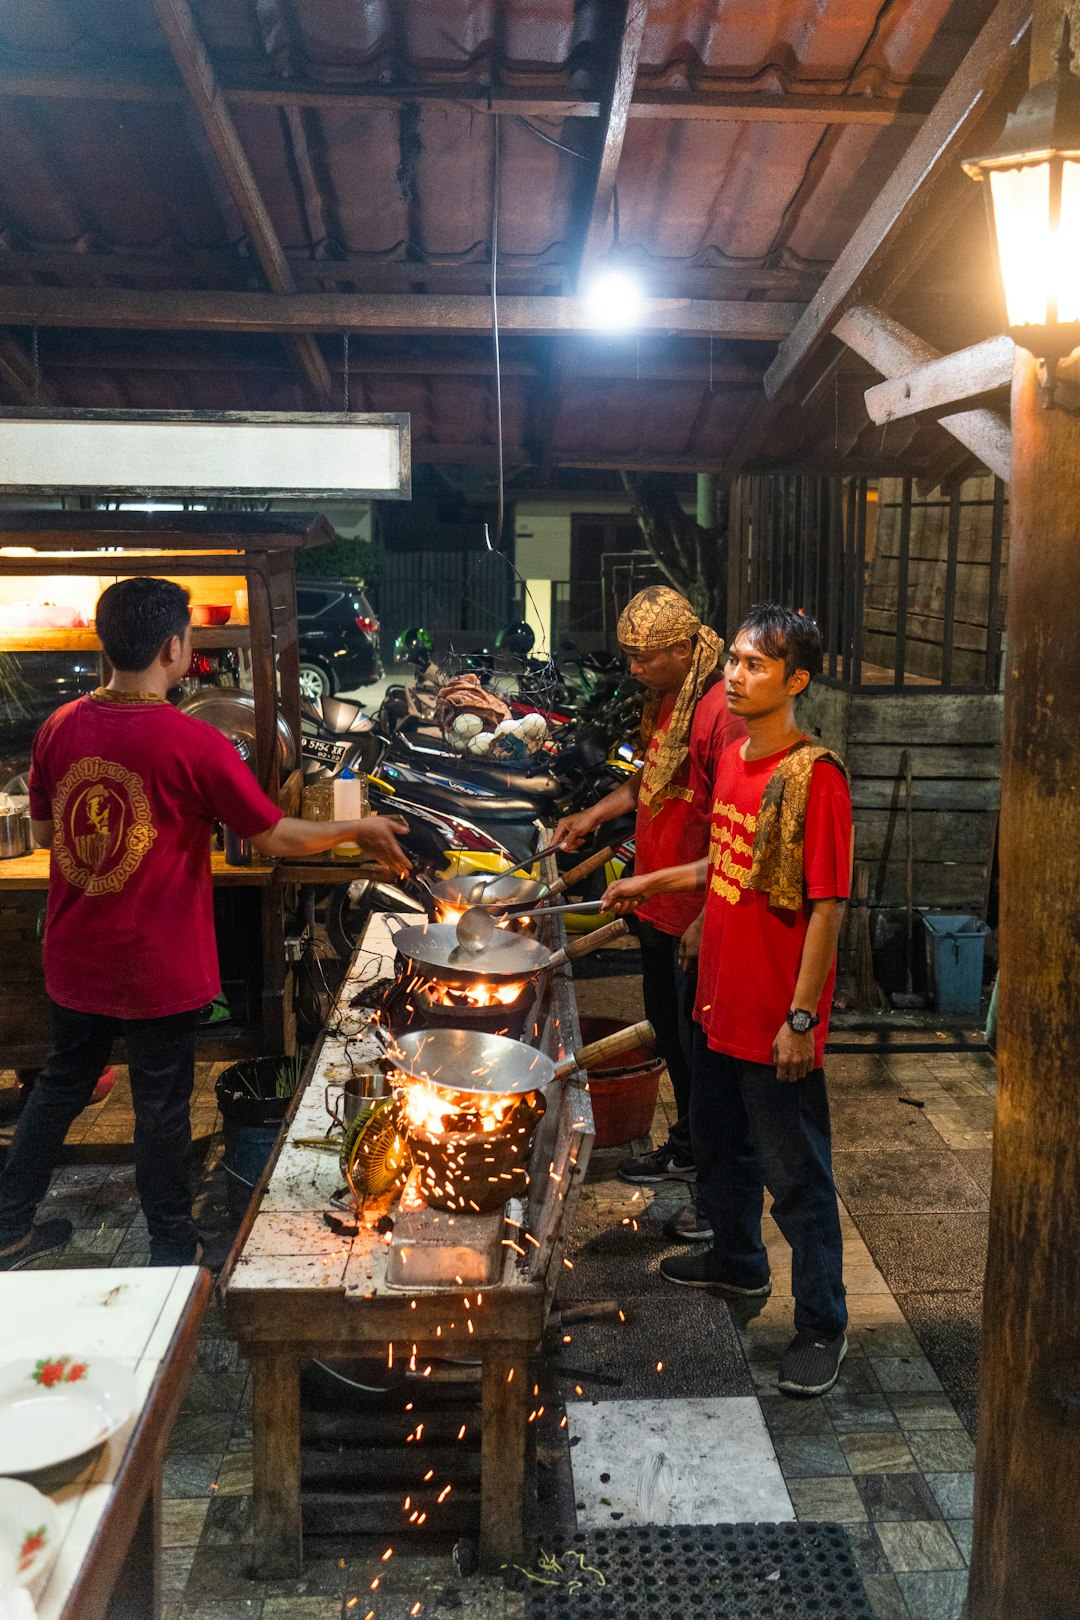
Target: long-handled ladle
[[476, 928]]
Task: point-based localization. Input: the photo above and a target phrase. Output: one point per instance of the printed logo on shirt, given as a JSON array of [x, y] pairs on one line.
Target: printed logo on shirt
[[103, 826], [650, 772], [728, 876]]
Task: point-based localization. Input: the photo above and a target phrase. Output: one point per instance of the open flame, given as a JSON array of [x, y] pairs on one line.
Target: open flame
[[478, 994], [431, 1111]]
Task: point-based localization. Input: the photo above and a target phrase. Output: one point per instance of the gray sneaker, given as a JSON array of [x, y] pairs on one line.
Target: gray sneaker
[[811, 1363], [689, 1225], [659, 1165]]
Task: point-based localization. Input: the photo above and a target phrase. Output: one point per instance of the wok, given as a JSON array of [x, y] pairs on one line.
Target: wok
[[468, 1063], [231, 711], [432, 952], [513, 891]]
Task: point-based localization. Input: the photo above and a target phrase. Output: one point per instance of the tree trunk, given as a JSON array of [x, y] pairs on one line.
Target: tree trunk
[[692, 557]]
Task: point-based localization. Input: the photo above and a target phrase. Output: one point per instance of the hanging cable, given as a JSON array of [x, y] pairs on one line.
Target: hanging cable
[[495, 335], [345, 369], [549, 140]]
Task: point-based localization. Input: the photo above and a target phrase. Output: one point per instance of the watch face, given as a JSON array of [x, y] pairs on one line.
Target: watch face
[[800, 1022]]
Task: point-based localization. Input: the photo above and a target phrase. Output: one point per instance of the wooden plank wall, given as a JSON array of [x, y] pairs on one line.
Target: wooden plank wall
[[954, 743], [940, 577]]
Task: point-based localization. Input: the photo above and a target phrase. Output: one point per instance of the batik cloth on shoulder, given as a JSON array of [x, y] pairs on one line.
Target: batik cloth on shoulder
[[657, 617], [779, 837]]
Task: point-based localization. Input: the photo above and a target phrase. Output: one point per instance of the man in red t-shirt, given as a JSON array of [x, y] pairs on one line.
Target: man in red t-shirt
[[773, 906], [125, 791], [685, 726]]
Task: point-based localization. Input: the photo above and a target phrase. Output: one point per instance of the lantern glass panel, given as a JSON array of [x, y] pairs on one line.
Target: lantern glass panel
[[1068, 254], [1021, 199]]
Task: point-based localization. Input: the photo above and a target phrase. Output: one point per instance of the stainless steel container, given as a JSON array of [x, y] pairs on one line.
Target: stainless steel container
[[14, 834]]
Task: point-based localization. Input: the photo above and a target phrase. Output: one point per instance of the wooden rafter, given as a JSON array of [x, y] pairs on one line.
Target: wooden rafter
[[932, 153], [894, 351], [616, 115], [17, 374], [189, 54], [969, 374], [715, 105], [379, 314]]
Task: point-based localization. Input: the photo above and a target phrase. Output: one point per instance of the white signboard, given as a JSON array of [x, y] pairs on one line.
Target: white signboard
[[329, 454]]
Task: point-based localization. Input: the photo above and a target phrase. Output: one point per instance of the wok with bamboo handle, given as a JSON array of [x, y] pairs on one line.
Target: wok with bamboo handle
[[467, 1063]]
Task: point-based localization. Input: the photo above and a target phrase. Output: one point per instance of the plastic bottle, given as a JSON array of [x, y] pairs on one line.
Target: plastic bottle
[[350, 794]]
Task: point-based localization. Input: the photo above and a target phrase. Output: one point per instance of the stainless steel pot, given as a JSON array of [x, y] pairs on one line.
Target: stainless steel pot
[[14, 834]]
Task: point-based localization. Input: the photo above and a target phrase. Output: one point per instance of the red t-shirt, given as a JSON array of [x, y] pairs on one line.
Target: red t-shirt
[[133, 791], [678, 831], [750, 952]]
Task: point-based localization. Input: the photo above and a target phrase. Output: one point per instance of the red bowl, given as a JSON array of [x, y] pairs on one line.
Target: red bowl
[[211, 614]]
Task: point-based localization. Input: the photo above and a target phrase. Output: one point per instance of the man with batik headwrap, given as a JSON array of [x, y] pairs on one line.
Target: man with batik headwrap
[[685, 727]]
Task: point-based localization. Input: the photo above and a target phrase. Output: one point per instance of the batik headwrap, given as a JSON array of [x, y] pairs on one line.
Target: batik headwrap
[[658, 617]]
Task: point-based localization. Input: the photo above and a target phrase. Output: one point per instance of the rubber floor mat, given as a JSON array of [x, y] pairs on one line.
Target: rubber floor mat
[[703, 1572]]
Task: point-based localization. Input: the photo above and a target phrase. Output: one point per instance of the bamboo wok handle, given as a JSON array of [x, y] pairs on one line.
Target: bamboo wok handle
[[591, 942], [586, 869], [624, 1040]]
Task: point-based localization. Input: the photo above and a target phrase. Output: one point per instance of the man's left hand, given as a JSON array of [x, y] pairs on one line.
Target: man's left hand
[[793, 1054]]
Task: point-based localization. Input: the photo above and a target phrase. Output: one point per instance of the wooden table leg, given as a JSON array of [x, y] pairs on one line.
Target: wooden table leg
[[137, 1593], [506, 1396], [275, 1400]]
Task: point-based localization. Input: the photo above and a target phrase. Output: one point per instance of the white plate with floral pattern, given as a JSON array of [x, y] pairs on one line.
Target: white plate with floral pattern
[[57, 1407], [29, 1536]]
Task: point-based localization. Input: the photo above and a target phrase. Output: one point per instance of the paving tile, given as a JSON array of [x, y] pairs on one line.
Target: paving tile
[[907, 1373], [234, 1477], [810, 1456], [934, 1597], [928, 1253], [182, 1520], [222, 1572], [918, 1545], [942, 1451], [189, 1476], [215, 1392], [306, 1608], [784, 1416], [176, 1565], [228, 1521], [867, 1549], [948, 1324], [976, 1162], [827, 1500], [874, 1453], [202, 1432], [859, 1412], [954, 1494], [924, 1411], [235, 1609], [886, 1598], [896, 1497], [961, 1532], [905, 1180], [894, 1338]]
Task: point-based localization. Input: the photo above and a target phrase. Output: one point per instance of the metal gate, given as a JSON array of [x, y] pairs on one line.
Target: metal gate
[[462, 598]]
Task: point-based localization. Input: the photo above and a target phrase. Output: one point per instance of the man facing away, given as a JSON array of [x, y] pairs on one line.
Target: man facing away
[[685, 726], [125, 791], [776, 880]]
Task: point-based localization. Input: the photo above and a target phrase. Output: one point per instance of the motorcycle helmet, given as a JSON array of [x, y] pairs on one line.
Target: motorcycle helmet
[[413, 646], [516, 638]]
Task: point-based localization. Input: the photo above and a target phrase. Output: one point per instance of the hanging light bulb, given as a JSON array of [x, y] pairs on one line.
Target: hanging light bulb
[[614, 297]]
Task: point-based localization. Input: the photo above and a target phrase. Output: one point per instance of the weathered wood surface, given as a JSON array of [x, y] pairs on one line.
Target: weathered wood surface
[[379, 314], [956, 378], [1025, 1562], [894, 351], [617, 114], [933, 153]]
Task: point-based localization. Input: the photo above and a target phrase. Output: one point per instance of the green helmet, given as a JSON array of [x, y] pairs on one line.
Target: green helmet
[[411, 642]]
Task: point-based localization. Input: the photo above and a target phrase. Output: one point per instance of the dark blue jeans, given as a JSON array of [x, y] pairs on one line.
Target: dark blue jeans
[[161, 1062], [668, 994], [753, 1131]]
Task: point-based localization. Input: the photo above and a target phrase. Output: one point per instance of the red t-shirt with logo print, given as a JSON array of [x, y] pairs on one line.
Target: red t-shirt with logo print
[[751, 951], [133, 791], [678, 831]]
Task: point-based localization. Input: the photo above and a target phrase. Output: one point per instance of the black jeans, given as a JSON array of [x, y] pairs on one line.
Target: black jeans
[[668, 994], [161, 1062], [753, 1131]]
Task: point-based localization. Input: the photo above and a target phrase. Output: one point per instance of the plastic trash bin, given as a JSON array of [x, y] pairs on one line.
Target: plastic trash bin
[[954, 960]]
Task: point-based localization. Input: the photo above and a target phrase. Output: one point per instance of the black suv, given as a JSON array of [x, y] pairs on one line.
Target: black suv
[[339, 637]]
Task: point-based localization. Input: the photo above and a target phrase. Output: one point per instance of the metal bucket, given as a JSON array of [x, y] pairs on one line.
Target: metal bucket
[[14, 829]]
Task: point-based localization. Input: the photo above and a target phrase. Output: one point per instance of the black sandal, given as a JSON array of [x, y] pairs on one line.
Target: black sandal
[[49, 1235]]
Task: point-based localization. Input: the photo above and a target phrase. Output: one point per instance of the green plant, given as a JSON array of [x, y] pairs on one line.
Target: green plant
[[341, 559]]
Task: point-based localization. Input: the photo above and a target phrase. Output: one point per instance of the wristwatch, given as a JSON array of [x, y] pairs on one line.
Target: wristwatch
[[801, 1021]]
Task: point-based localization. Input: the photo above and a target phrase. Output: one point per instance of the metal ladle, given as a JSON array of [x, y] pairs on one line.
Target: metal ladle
[[476, 928], [476, 893]]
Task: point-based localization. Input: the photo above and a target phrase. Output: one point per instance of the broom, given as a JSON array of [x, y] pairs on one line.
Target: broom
[[869, 996]]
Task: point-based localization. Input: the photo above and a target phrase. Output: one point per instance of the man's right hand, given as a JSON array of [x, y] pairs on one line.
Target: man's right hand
[[376, 836], [690, 945], [626, 894], [572, 831]]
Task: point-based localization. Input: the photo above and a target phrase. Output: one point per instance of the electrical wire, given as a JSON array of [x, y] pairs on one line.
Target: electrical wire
[[495, 335], [550, 140]]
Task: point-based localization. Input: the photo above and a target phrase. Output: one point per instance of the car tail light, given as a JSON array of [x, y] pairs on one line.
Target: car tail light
[[369, 626]]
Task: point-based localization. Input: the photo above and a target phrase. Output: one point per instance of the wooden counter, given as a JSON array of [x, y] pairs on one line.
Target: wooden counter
[[31, 871]]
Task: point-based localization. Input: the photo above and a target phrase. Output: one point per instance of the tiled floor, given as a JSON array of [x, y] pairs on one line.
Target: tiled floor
[[888, 1453]]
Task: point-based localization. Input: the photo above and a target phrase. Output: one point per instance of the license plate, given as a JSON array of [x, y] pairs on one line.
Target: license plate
[[329, 752]]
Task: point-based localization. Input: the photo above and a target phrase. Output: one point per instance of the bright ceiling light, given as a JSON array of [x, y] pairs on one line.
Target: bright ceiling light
[[614, 299]]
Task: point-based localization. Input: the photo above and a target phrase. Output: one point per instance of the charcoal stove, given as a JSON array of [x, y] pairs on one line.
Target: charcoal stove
[[412, 1002]]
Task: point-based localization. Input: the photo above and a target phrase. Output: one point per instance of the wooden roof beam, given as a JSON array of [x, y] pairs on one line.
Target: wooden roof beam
[[894, 351], [616, 115], [17, 374], [380, 314], [717, 105], [969, 374], [931, 155], [189, 54]]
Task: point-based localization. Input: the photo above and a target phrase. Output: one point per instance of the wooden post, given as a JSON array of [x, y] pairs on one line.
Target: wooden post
[[275, 1411], [504, 1482], [1026, 1555]]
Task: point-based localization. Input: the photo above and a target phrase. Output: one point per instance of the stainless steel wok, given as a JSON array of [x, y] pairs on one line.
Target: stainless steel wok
[[511, 890], [432, 952], [471, 1064]]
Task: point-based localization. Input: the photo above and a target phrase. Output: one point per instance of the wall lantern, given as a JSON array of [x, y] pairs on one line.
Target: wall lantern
[[1032, 181]]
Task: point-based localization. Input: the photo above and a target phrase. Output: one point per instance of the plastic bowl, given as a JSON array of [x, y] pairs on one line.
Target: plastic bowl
[[211, 613]]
